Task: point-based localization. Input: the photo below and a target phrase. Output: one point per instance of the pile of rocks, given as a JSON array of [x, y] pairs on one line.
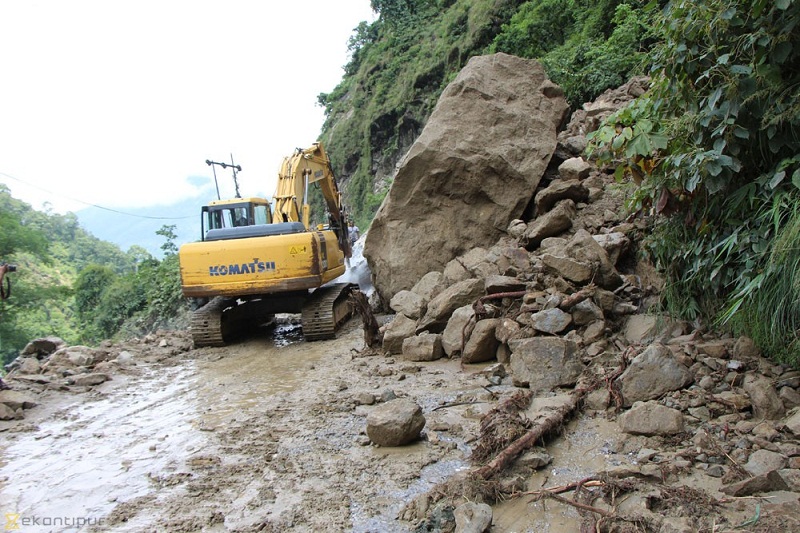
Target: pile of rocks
[[49, 363], [561, 301]]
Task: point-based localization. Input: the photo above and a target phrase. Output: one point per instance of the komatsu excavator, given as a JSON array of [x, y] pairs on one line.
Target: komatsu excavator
[[254, 260]]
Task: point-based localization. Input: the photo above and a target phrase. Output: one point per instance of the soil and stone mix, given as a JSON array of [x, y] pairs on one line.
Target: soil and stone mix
[[517, 374]]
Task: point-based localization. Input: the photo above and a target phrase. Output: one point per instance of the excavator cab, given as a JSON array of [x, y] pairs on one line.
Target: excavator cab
[[235, 213]]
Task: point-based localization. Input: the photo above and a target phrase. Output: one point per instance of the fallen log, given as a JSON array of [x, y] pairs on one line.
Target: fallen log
[[554, 420]]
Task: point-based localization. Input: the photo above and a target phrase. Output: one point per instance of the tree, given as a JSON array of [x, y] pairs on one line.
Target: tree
[[168, 232]]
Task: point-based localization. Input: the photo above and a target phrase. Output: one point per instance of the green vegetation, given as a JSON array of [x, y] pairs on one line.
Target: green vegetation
[[402, 62], [726, 77], [75, 286]]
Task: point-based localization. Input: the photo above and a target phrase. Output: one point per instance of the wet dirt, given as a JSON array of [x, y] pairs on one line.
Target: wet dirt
[[267, 434]]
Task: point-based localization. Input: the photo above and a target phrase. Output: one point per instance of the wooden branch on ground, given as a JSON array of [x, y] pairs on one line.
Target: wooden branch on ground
[[372, 335], [577, 505], [577, 297], [554, 420]]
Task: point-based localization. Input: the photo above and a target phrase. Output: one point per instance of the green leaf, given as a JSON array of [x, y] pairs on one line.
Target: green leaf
[[741, 133], [713, 167], [719, 144], [777, 179], [617, 143], [796, 178], [742, 69], [728, 14], [783, 5], [619, 174], [714, 98], [781, 52]]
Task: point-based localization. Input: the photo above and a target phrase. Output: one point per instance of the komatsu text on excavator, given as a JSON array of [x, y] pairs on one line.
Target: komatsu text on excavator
[[255, 260]]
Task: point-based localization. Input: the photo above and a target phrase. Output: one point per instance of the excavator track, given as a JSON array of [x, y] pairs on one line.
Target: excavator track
[[222, 319], [206, 326], [326, 310]]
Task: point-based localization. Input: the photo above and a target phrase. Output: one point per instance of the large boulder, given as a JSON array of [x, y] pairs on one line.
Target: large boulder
[[470, 172]]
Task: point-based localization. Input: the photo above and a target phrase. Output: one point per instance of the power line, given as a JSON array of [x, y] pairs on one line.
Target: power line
[[63, 196]]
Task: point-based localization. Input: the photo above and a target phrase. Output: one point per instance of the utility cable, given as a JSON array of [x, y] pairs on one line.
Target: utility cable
[[91, 204]]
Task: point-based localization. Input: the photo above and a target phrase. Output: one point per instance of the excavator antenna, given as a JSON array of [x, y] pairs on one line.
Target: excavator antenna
[[234, 169]]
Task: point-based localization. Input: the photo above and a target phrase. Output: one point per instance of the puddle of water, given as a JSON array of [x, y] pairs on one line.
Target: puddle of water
[[99, 452], [580, 453]]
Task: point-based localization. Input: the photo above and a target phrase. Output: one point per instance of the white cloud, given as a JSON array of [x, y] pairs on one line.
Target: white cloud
[[120, 103]]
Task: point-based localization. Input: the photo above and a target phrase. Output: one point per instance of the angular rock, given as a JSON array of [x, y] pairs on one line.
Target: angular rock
[[496, 284], [89, 380], [586, 312], [651, 418], [793, 423], [455, 332], [516, 228], [473, 517], [769, 482], [614, 244], [582, 247], [652, 373], [428, 286], [7, 413], [551, 224], [506, 330], [465, 177], [29, 365], [543, 363], [425, 347], [395, 423], [766, 402], [791, 477], [575, 168], [43, 346], [789, 397], [560, 190], [447, 301], [396, 332], [745, 349], [551, 321], [764, 461], [16, 400], [408, 303], [482, 343], [568, 268]]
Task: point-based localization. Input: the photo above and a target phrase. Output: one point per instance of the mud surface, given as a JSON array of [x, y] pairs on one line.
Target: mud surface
[[267, 434]]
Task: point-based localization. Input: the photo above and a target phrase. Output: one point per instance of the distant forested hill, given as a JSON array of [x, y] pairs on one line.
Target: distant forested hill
[[138, 226]]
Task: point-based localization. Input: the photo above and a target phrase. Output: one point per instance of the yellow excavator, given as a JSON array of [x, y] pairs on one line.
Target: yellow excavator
[[255, 260]]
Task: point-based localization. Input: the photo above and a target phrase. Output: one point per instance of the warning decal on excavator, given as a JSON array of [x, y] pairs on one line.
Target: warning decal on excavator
[[294, 250]]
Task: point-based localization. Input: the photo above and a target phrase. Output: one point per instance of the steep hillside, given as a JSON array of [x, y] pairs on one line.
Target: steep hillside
[[402, 62]]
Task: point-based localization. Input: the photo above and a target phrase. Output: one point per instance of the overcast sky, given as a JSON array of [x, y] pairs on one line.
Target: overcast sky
[[119, 103]]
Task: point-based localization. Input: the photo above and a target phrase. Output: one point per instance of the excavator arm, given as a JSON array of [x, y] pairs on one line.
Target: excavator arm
[[300, 170]]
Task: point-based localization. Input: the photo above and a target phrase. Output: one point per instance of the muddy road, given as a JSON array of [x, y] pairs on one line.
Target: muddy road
[[267, 434]]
